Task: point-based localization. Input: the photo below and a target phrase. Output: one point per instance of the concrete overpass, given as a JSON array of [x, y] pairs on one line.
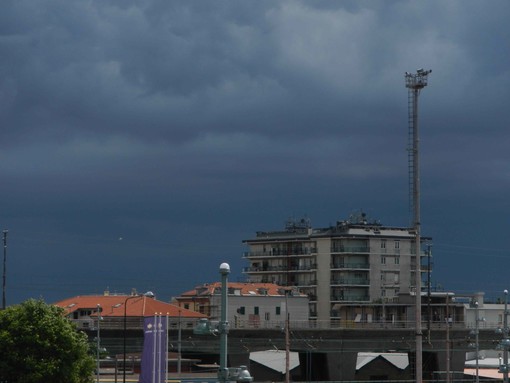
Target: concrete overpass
[[325, 354]]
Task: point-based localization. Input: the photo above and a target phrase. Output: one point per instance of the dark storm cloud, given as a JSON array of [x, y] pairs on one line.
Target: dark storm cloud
[[162, 122]]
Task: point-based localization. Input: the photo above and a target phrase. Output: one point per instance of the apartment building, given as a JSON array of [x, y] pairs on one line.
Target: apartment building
[[355, 270]]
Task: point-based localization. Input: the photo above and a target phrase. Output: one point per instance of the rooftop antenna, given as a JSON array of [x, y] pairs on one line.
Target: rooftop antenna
[[414, 83]]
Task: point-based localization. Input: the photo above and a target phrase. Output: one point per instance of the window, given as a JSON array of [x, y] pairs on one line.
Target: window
[[256, 310], [397, 260], [186, 306], [241, 310], [267, 316], [397, 244], [278, 310], [383, 260], [383, 244]]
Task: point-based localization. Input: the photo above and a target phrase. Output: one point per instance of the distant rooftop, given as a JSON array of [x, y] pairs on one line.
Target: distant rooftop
[[131, 305], [241, 289], [358, 224]]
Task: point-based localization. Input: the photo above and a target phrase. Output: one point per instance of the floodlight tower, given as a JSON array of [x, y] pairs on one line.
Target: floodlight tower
[[416, 82]]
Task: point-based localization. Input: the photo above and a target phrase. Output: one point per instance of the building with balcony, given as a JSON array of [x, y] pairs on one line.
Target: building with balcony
[[250, 305], [355, 270]]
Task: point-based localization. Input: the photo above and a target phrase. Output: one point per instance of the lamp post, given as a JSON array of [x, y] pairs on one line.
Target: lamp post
[[98, 339], [148, 294], [506, 342], [223, 327], [477, 319]]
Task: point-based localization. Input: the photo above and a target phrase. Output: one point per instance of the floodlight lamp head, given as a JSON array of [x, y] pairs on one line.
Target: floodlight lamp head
[[149, 294], [224, 268], [505, 291]]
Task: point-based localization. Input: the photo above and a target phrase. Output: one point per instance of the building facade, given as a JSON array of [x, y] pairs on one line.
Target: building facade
[[250, 305], [355, 270]]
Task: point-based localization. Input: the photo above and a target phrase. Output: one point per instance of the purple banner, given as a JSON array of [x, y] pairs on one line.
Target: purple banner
[[154, 356]]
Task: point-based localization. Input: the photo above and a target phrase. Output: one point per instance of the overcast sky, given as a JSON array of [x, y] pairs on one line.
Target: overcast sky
[[141, 142]]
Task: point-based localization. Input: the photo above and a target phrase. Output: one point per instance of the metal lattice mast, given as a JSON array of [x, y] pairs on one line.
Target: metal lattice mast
[[416, 82]]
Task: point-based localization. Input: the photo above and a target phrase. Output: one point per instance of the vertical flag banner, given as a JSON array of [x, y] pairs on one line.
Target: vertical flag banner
[[154, 355]]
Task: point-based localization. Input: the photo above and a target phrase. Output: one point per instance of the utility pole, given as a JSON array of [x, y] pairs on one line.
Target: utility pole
[[287, 338], [429, 299], [5, 270], [505, 351], [416, 82]]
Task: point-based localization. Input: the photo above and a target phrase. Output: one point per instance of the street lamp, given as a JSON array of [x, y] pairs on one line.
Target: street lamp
[[505, 342], [98, 345], [223, 327], [203, 327], [148, 294]]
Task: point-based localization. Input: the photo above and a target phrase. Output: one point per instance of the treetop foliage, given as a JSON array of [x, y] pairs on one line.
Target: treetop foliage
[[39, 344]]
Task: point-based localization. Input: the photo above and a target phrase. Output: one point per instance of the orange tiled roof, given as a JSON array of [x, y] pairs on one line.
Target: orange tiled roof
[[245, 288], [114, 306]]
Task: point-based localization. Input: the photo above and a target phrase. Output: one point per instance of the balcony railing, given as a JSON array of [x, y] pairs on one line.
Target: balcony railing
[[309, 283], [279, 268], [350, 298], [350, 249], [350, 265], [350, 281], [280, 252]]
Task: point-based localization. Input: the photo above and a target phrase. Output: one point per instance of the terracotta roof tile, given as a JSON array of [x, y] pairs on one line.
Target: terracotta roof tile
[[114, 306], [245, 288]]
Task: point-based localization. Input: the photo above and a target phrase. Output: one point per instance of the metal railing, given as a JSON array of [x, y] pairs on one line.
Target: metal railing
[[350, 265], [337, 323], [350, 249], [350, 281], [280, 252], [252, 269], [132, 323]]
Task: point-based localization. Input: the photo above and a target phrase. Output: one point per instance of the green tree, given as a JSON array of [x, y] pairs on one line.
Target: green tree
[[38, 344]]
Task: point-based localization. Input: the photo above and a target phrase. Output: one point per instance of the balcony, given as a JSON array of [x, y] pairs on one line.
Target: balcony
[[350, 282], [280, 253], [279, 268], [350, 265], [301, 284], [350, 298], [350, 249]]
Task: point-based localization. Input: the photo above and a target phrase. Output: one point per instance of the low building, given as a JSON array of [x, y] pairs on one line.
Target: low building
[[249, 304], [119, 311]]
